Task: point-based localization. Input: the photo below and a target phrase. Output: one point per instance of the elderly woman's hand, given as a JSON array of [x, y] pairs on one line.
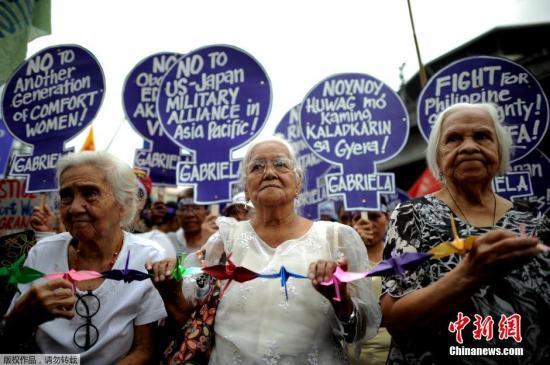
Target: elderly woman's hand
[[497, 253], [162, 276], [170, 290], [322, 270], [45, 302]]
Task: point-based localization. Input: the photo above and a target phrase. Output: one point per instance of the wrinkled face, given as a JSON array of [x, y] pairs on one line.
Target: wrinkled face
[[468, 147], [270, 176], [87, 205], [191, 217]]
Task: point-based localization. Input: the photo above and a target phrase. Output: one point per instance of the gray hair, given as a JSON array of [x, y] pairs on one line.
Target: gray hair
[[298, 170], [504, 140], [120, 177]]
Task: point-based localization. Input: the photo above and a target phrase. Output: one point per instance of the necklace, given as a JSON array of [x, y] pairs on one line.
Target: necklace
[[464, 215], [74, 243]]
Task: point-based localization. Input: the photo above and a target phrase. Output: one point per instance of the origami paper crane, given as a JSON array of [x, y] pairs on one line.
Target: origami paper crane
[[73, 276], [18, 274], [458, 245], [398, 264], [341, 276], [284, 274], [180, 271], [128, 275], [230, 272]]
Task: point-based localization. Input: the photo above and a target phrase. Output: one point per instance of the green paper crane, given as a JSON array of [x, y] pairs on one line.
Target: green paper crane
[[18, 274], [180, 271]]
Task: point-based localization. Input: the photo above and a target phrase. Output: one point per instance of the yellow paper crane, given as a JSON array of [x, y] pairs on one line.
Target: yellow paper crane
[[458, 245]]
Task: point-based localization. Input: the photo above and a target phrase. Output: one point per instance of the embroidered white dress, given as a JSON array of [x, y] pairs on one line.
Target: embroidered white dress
[[255, 324]]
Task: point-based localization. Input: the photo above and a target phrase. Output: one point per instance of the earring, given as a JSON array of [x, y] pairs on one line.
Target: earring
[[297, 194]]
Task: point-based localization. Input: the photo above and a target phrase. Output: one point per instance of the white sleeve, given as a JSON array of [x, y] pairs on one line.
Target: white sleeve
[[369, 315]]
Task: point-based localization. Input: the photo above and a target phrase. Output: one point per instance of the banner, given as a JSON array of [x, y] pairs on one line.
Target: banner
[[49, 99], [213, 101], [355, 121], [141, 88]]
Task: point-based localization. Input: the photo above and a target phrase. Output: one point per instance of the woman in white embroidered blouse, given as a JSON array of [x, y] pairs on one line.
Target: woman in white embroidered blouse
[[255, 322]]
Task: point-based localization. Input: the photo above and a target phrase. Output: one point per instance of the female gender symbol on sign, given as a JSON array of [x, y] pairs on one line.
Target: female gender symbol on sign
[[213, 101], [139, 96], [49, 99], [354, 121]]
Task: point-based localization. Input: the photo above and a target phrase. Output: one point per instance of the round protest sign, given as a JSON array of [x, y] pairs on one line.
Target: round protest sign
[[53, 95], [521, 101], [537, 165], [313, 188], [355, 121], [140, 92], [49, 99], [213, 101]]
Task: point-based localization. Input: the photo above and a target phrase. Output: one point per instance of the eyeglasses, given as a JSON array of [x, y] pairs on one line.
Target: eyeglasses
[[87, 306], [280, 164], [192, 209]]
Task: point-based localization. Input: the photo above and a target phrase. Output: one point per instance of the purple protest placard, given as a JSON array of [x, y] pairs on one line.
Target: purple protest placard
[[314, 189], [537, 166], [213, 101], [513, 184], [140, 91], [6, 142], [518, 95], [49, 99], [355, 121]]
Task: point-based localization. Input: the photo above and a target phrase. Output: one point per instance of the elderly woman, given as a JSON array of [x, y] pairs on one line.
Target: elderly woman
[[254, 322], [105, 321], [497, 296]]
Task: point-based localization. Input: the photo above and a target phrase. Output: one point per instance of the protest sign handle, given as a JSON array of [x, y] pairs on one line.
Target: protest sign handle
[[43, 198], [365, 215], [215, 209], [161, 193]]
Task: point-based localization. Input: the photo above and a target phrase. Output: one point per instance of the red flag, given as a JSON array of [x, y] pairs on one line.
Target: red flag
[[425, 184], [89, 144]]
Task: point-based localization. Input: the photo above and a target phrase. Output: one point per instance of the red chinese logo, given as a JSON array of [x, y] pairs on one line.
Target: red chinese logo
[[458, 326], [508, 327], [483, 327]]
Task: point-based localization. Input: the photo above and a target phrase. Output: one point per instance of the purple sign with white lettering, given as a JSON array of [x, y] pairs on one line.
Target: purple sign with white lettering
[[513, 184], [140, 92], [212, 102], [313, 190], [537, 165], [49, 99], [483, 79], [355, 121], [6, 142]]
